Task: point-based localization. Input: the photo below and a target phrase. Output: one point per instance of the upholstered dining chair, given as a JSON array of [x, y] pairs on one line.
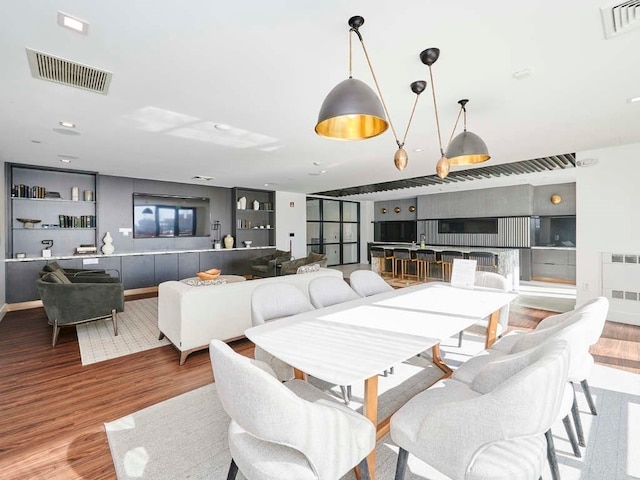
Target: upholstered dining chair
[[290, 431], [446, 258], [381, 254], [576, 328], [498, 282], [271, 302], [366, 283], [485, 261], [425, 259], [327, 291], [492, 429], [405, 257]]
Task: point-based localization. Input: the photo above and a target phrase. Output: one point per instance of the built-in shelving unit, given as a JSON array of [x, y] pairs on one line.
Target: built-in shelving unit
[[256, 221], [62, 204]]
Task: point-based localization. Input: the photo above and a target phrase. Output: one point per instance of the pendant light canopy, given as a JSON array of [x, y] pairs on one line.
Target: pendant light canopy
[[467, 148]]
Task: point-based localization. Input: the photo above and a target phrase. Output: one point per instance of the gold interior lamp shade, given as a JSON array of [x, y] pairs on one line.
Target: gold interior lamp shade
[[466, 148], [351, 111]]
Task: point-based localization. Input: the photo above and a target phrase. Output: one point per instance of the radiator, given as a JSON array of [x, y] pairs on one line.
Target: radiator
[[621, 285]]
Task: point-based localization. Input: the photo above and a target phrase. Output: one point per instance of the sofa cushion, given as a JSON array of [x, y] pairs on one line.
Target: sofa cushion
[[57, 276], [52, 267], [315, 257]]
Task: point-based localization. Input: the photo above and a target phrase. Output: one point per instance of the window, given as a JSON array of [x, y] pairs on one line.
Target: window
[[333, 228]]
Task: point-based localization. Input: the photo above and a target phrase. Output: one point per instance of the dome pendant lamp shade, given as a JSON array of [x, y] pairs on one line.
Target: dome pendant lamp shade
[[351, 111], [467, 148]]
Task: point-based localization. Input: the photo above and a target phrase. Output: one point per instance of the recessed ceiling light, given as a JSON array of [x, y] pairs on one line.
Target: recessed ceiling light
[[65, 160], [36, 141], [222, 126], [67, 124], [522, 74], [634, 100], [317, 163], [73, 23], [418, 149], [66, 131], [202, 177]]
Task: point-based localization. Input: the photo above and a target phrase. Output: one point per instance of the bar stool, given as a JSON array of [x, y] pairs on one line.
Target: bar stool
[[425, 258], [447, 257], [381, 254], [402, 255], [486, 261]]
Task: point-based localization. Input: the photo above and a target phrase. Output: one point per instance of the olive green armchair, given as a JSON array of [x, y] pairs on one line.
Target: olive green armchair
[[74, 300]]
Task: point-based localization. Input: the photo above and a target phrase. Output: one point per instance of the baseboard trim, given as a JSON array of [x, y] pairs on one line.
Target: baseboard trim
[[14, 307], [554, 280]]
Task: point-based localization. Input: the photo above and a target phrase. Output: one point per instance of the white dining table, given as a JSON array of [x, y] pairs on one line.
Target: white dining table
[[355, 341]]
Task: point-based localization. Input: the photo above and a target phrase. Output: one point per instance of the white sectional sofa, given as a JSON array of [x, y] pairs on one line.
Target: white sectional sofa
[[190, 317]]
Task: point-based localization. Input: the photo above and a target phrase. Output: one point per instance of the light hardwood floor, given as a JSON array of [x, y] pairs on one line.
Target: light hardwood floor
[[52, 409]]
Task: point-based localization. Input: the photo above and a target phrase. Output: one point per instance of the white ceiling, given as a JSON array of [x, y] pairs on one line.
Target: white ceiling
[[266, 66]]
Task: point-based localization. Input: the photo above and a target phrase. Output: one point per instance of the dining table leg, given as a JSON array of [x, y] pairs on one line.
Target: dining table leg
[[492, 329], [439, 362], [370, 410]]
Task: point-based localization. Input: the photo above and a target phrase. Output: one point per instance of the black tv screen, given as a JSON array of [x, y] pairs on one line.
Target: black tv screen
[[403, 231], [162, 216]]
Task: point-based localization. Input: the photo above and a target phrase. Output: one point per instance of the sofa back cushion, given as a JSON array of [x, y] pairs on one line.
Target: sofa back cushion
[[52, 267], [57, 276]]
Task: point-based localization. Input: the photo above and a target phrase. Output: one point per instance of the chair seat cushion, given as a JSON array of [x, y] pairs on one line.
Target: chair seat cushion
[[517, 459]]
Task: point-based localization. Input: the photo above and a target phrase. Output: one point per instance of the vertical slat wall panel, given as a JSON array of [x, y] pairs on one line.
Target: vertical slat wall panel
[[512, 232]]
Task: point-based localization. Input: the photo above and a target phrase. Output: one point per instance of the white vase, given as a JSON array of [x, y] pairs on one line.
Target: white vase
[[228, 241], [242, 203], [256, 205], [107, 248]]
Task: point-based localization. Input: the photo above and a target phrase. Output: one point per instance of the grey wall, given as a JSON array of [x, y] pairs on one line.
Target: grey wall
[[391, 215], [542, 199], [489, 202], [115, 211]]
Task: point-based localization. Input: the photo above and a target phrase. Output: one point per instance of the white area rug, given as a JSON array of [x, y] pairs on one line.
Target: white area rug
[[137, 331], [186, 437]]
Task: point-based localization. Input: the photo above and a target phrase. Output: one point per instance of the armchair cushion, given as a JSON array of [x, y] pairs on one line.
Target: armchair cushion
[[56, 276]]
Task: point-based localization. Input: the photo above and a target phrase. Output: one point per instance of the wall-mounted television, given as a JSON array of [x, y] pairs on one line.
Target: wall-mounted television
[[166, 216], [403, 231], [468, 225]]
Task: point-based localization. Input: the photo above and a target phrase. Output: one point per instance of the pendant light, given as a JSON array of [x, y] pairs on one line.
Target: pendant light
[[466, 148], [353, 111]]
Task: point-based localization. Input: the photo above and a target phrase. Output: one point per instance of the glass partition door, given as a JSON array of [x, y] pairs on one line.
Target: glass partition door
[[333, 228]]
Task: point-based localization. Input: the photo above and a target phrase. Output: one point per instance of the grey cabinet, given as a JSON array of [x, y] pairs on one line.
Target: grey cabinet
[[138, 271], [188, 264], [165, 267], [554, 264], [21, 281]]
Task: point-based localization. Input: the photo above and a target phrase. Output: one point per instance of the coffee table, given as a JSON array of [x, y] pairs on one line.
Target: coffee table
[[228, 278]]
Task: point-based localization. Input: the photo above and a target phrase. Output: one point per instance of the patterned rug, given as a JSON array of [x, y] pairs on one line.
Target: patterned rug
[[137, 331]]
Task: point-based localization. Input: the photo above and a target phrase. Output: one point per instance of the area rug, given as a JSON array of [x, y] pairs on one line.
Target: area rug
[[137, 331], [186, 437]]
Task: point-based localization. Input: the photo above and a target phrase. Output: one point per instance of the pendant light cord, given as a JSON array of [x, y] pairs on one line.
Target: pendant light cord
[[408, 124], [375, 80], [435, 108], [456, 125]]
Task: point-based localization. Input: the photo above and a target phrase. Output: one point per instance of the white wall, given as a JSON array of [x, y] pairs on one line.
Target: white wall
[[367, 213], [291, 217], [607, 220], [3, 229]]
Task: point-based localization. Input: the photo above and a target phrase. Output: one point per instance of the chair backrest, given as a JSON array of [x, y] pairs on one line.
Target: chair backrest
[[377, 252], [277, 300], [265, 408], [448, 256], [366, 283], [426, 255], [327, 291], [402, 253], [499, 282], [483, 258], [597, 307]]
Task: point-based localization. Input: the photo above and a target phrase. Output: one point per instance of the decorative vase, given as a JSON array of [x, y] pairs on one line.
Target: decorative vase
[[256, 205], [107, 248], [242, 203], [228, 241]]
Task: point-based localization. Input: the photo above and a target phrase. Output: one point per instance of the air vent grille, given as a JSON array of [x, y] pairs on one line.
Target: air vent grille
[[59, 70], [620, 18]]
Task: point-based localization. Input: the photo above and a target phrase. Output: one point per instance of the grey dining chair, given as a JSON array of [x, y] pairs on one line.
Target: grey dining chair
[[271, 302], [290, 431], [366, 283], [446, 258], [327, 291], [493, 428]]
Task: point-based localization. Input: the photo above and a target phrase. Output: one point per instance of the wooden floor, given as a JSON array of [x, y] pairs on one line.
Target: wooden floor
[[52, 409]]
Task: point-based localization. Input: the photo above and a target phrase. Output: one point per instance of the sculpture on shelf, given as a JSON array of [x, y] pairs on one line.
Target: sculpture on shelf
[[108, 247], [228, 241]]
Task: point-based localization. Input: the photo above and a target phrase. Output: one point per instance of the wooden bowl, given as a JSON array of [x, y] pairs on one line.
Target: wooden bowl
[[210, 274]]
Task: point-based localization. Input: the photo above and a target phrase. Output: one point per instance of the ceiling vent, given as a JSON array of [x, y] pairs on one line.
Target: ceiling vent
[[620, 18], [66, 72]]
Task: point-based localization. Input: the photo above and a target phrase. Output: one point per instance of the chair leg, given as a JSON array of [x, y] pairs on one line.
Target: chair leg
[[56, 331], [401, 466], [364, 469], [346, 393], [551, 456], [572, 437], [460, 339], [587, 393], [114, 319], [576, 419], [233, 470], [161, 336]]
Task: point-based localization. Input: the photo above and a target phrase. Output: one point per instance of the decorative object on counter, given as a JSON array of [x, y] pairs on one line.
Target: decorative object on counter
[[397, 209], [28, 222], [21, 255], [74, 194], [228, 241], [383, 210], [51, 195], [556, 199], [412, 208], [86, 249], [242, 203], [247, 243], [210, 274], [46, 252], [88, 195], [108, 247], [256, 205]]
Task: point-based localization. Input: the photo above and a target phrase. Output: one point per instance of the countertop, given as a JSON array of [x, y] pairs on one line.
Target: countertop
[[131, 254]]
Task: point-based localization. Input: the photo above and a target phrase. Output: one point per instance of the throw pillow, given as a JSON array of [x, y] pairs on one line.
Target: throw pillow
[[56, 277], [196, 282], [52, 267], [308, 268]]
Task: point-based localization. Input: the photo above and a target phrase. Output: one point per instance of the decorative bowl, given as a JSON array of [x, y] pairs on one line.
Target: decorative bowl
[[28, 222], [210, 274], [247, 243]]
